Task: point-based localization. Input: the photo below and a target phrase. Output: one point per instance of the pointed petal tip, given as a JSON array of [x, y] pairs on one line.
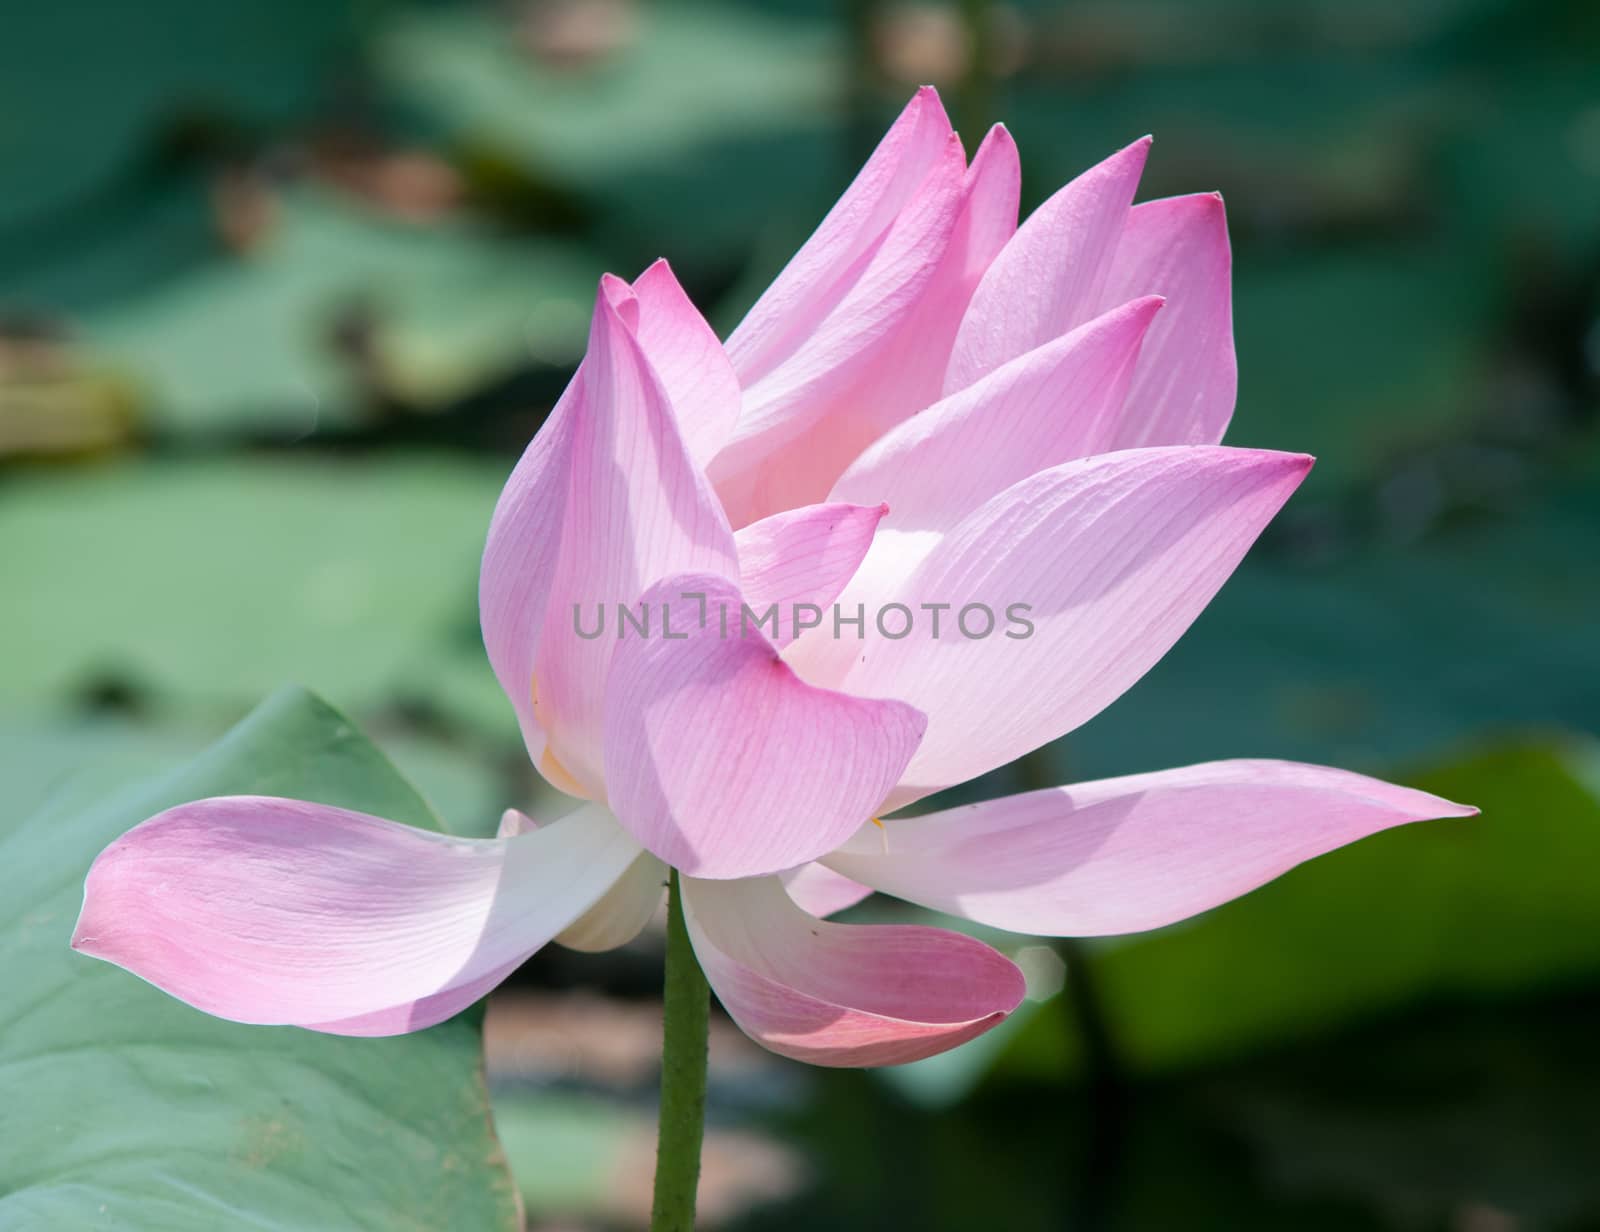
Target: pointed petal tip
[[615, 301], [1295, 463]]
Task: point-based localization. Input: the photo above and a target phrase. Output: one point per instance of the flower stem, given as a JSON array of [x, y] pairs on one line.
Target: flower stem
[[686, 1008]]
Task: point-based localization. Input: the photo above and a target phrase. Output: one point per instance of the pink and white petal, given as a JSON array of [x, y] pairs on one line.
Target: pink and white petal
[[1113, 556], [907, 369], [838, 351], [1060, 401], [842, 994], [1184, 387], [819, 891], [519, 561], [802, 556], [1052, 275], [818, 275], [689, 360], [721, 761], [637, 508], [274, 911], [1127, 854], [622, 912]]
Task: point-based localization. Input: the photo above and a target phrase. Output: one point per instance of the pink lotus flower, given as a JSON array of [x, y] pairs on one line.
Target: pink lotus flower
[[931, 408]]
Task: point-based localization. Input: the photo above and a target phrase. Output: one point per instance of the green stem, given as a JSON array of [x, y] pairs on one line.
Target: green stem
[[685, 1014]]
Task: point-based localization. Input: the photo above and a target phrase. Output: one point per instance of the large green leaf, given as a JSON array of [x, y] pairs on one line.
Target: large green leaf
[[125, 1108]]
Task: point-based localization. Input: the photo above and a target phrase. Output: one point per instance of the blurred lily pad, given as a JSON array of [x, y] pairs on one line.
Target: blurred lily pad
[[87, 95], [206, 584], [129, 1109], [336, 309], [682, 125]]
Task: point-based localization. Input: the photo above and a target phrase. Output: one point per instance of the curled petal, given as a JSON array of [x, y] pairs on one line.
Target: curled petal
[[1126, 854], [1053, 274], [273, 911], [820, 891], [622, 912], [721, 761], [802, 556], [842, 994]]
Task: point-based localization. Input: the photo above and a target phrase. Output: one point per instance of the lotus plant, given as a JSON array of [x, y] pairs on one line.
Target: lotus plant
[[950, 488]]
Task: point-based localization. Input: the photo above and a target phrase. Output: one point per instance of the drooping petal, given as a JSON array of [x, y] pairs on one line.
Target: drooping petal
[[1126, 854], [689, 360], [906, 371], [1059, 401], [721, 761], [637, 509], [1053, 274], [1184, 386], [834, 328], [1074, 583], [622, 912], [273, 911], [802, 556], [842, 994], [819, 891]]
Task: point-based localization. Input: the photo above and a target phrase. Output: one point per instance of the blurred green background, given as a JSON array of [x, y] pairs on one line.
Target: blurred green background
[[285, 285]]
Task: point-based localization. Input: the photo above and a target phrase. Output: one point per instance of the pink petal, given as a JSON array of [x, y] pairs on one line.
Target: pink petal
[[622, 912], [273, 911], [819, 891], [637, 508], [1059, 401], [519, 560], [819, 275], [819, 339], [802, 556], [724, 763], [1115, 556], [842, 994], [1184, 387], [1127, 854], [906, 369], [689, 360], [1053, 274]]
